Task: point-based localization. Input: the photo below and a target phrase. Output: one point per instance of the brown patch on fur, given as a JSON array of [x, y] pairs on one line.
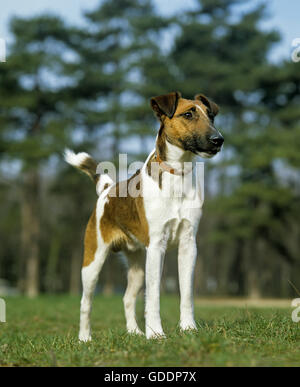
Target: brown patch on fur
[[189, 127], [177, 129], [156, 177], [188, 133], [161, 143], [90, 240], [89, 166], [213, 108], [165, 104], [123, 217]]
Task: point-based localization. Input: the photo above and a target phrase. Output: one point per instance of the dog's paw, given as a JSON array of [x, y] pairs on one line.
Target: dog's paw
[[85, 337], [135, 331], [155, 334], [188, 326]]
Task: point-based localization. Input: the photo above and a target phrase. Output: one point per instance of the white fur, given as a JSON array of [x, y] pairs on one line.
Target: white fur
[[75, 159], [172, 222], [89, 276], [201, 110], [103, 180]]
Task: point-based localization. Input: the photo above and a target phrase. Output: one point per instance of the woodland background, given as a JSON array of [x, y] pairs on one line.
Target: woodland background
[[88, 88]]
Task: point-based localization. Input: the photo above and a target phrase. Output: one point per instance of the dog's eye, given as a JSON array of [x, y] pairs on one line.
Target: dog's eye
[[188, 115]]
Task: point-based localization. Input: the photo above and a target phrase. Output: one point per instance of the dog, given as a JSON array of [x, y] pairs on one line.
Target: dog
[[144, 226]]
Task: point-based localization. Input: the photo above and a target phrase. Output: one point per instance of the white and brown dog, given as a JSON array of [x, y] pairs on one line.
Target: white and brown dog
[[146, 225]]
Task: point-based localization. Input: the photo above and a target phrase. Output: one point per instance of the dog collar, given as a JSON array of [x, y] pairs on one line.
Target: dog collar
[[167, 168]]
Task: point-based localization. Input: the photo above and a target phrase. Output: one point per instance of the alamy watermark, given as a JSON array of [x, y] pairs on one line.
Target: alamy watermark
[[296, 312], [296, 52], [2, 311], [2, 50], [188, 183]]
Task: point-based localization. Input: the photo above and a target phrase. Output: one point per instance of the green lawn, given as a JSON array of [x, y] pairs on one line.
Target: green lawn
[[43, 332]]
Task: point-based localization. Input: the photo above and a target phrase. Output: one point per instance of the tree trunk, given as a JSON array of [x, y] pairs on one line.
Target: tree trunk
[[237, 271], [285, 280], [30, 232], [52, 280], [76, 261], [252, 271]]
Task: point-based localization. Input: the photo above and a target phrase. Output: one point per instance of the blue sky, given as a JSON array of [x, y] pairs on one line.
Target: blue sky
[[284, 15]]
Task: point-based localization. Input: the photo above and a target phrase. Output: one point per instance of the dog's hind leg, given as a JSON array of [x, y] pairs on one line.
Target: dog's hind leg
[[135, 278], [89, 275]]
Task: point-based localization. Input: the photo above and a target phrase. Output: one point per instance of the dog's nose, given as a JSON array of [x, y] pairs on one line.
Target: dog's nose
[[217, 140]]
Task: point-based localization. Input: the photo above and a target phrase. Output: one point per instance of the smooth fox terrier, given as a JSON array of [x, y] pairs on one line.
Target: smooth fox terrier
[[146, 225]]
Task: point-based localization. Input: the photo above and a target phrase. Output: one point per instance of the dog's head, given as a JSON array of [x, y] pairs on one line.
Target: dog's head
[[189, 124]]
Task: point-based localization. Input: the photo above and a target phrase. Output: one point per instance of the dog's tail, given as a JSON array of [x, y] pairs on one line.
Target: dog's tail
[[82, 161], [85, 163]]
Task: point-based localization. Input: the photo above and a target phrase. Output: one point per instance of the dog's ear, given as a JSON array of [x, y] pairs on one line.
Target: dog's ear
[[165, 104], [213, 108]]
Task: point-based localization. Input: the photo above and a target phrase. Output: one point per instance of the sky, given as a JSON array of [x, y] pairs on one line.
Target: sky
[[284, 15]]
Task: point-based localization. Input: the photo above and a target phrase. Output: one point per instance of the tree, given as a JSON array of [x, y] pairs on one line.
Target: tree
[[229, 62], [120, 50], [34, 118]]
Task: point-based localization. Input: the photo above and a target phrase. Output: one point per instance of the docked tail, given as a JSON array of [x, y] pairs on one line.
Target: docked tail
[[85, 163]]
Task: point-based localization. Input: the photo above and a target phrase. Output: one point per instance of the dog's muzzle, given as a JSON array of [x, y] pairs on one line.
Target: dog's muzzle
[[215, 144], [216, 140]]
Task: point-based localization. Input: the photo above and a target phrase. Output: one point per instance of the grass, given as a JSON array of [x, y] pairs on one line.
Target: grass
[[43, 332]]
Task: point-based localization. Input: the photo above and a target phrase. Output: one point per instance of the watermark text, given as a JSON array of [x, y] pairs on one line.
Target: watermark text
[[2, 311], [2, 50], [296, 52], [296, 312]]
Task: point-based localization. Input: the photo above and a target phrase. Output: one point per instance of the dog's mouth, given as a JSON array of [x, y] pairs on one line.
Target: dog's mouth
[[201, 147], [209, 153]]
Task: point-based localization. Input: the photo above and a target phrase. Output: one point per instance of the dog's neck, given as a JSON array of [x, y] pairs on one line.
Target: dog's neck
[[174, 154], [171, 156]]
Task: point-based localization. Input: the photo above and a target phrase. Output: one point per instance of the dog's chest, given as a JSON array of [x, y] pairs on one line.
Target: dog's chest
[[171, 210]]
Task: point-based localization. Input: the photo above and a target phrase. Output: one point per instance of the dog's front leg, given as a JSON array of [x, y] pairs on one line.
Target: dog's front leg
[[154, 265], [187, 254]]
